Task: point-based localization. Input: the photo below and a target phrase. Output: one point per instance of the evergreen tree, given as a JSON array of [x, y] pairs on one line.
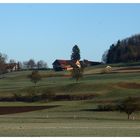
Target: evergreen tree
[[126, 50], [75, 53]]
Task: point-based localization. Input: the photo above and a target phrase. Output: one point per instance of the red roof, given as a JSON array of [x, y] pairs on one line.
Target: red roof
[[62, 62]]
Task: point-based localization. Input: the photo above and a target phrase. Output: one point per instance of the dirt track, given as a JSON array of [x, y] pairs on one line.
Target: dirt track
[[20, 109]]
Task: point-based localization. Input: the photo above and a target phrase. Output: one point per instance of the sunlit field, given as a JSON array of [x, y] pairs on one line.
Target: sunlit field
[[75, 117]]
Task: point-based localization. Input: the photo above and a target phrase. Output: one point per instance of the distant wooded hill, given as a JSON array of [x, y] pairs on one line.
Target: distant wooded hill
[[126, 50]]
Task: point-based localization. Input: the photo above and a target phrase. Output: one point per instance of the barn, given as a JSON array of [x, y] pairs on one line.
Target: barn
[[59, 65]]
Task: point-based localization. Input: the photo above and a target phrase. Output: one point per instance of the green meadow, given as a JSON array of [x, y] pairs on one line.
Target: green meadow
[[74, 117]]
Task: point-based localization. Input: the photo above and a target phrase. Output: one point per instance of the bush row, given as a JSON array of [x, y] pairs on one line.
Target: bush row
[[49, 96], [107, 107], [75, 97]]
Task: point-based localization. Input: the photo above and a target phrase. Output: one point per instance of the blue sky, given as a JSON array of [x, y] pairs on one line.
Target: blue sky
[[49, 31]]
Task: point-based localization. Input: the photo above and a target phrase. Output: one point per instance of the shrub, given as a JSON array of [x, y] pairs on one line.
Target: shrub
[[47, 94], [107, 107]]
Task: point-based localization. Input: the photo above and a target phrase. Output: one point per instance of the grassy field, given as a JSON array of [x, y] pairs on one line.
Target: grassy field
[[72, 118], [68, 120]]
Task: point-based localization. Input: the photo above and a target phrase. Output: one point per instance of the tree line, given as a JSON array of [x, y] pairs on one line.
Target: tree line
[[29, 64], [126, 50], [32, 64]]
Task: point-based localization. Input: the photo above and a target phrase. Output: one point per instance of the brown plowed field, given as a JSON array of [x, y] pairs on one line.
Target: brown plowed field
[[129, 85], [20, 109]]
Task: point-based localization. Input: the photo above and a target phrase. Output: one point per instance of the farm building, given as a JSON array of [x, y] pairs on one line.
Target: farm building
[[59, 65], [12, 67], [88, 63]]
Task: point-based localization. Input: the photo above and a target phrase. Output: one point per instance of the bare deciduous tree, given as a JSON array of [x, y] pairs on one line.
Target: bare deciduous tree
[[31, 64], [11, 61], [77, 73], [3, 58], [35, 77], [41, 64], [128, 106]]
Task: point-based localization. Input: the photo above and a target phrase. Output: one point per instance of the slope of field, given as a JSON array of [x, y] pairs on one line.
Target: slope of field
[[70, 117]]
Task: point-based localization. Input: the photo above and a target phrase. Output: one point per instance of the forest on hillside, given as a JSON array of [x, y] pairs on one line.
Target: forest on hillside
[[126, 50]]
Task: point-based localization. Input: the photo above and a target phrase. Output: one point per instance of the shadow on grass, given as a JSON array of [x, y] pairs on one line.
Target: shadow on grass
[[96, 110]]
